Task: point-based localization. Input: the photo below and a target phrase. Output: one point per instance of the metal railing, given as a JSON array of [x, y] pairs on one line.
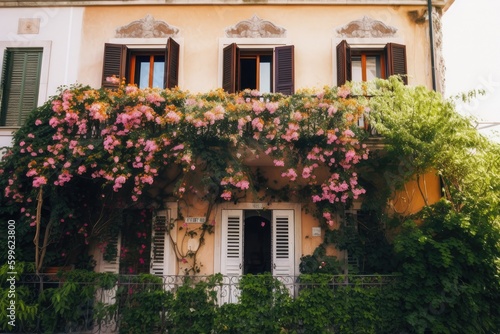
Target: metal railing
[[86, 313]]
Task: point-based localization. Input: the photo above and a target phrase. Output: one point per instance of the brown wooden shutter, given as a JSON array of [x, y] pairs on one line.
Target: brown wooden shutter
[[115, 61], [344, 69], [284, 73], [21, 84], [396, 60], [172, 64], [229, 68]]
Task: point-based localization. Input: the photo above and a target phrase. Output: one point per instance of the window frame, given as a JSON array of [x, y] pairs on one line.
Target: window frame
[[363, 54], [257, 55], [44, 71], [376, 45], [132, 70], [124, 47], [276, 46]]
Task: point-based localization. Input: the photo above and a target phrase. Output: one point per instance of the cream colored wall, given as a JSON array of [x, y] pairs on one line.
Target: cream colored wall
[[312, 29], [207, 256]]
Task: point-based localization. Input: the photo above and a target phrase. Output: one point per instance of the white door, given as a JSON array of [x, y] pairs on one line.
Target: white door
[[232, 255], [162, 260], [159, 243], [232, 242], [283, 243]]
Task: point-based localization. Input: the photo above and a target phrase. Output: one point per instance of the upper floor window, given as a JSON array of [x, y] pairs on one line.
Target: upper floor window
[[360, 64], [147, 69], [20, 84], [143, 67], [267, 70], [367, 65]]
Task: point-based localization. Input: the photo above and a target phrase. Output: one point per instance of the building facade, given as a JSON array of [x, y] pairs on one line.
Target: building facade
[[198, 46]]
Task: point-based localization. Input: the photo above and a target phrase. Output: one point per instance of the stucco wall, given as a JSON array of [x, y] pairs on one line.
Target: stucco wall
[[312, 29], [58, 32]]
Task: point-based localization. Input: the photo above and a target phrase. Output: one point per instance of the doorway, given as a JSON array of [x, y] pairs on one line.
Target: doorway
[[257, 247]]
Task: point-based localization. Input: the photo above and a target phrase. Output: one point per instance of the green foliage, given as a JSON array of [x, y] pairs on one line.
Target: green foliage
[[145, 311], [311, 311], [449, 269], [194, 307], [64, 306], [25, 309], [87, 153], [263, 305], [448, 255], [320, 263]]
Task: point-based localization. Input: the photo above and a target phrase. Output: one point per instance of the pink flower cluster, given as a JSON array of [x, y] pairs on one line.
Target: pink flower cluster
[[126, 136]]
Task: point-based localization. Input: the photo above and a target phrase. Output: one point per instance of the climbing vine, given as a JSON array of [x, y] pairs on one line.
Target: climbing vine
[[137, 144]]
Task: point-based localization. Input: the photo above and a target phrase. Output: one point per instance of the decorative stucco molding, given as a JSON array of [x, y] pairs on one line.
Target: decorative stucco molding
[[255, 27], [366, 27], [147, 27], [440, 65]]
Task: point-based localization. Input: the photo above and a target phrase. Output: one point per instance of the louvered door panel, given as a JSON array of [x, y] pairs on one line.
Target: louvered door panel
[[283, 243], [232, 234], [158, 244], [284, 69], [112, 265]]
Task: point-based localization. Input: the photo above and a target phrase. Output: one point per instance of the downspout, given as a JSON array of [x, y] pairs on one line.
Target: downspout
[[431, 38]]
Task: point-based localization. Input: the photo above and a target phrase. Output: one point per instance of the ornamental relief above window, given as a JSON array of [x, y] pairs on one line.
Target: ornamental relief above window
[[255, 27], [366, 27], [147, 27]]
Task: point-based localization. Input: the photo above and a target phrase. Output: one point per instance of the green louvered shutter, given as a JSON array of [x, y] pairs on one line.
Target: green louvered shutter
[[20, 84]]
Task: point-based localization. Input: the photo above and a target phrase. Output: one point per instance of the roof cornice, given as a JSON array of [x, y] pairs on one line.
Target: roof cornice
[[80, 3]]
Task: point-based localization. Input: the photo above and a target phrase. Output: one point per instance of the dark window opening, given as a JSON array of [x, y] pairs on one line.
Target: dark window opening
[[248, 76], [256, 72]]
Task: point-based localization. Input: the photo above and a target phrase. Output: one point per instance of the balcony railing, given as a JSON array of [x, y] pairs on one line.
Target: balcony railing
[[94, 306]]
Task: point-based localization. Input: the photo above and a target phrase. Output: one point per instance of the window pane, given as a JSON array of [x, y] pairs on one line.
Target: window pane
[[159, 72], [372, 68], [265, 74], [357, 73], [142, 71]]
